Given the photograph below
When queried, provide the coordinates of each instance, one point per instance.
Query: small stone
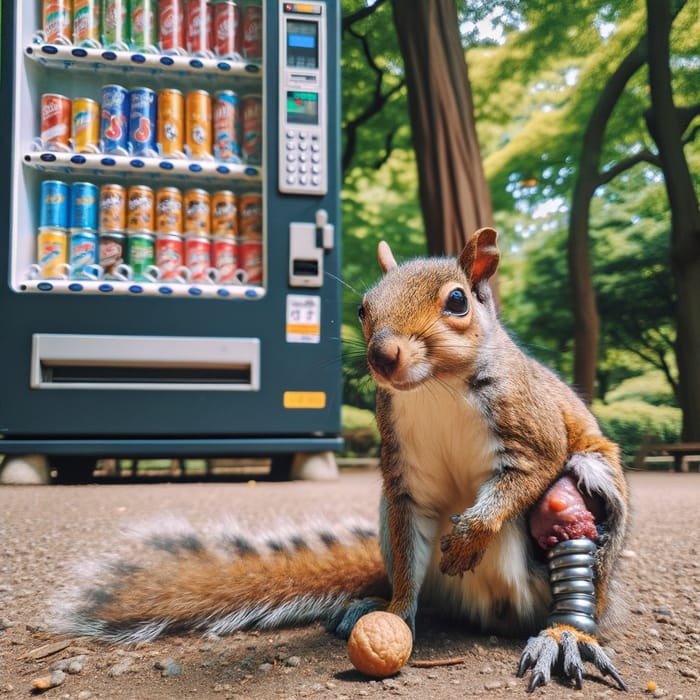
(493, 685)
(293, 661)
(168, 667)
(53, 680)
(266, 667)
(119, 669)
(689, 673)
(486, 670)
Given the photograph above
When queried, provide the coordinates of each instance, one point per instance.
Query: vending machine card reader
(303, 163)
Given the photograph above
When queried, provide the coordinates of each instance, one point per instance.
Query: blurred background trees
(581, 110)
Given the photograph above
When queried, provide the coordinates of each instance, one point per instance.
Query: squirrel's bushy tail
(173, 580)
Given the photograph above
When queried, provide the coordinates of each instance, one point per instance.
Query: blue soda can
(114, 119)
(84, 206)
(82, 252)
(142, 121)
(54, 204)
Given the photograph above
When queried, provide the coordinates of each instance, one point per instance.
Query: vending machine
(169, 228)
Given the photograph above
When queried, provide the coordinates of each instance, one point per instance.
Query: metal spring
(571, 579)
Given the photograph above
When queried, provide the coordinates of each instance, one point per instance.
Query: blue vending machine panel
(170, 235)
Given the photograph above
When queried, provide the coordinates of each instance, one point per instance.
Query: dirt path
(44, 529)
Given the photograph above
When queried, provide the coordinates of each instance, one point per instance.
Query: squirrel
(488, 459)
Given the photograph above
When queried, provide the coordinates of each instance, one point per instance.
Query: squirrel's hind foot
(343, 623)
(568, 649)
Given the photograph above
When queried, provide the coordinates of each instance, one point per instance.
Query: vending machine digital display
(169, 228)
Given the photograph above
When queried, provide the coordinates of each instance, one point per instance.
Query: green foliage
(628, 422)
(360, 432)
(651, 388)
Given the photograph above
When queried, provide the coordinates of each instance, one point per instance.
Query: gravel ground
(44, 529)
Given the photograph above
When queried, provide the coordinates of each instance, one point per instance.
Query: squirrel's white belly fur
(449, 452)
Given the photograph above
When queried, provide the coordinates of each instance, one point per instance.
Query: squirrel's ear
(479, 258)
(386, 258)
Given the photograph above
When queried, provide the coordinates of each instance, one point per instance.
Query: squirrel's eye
(361, 312)
(456, 303)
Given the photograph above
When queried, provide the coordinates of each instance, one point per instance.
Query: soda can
(55, 122)
(171, 26)
(197, 27)
(142, 121)
(251, 116)
(225, 28)
(84, 206)
(198, 118)
(140, 209)
(114, 119)
(169, 210)
(54, 204)
(86, 23)
(169, 256)
(251, 40)
(225, 259)
(251, 260)
(198, 257)
(52, 253)
(112, 251)
(197, 208)
(114, 16)
(82, 252)
(141, 254)
(85, 125)
(171, 122)
(112, 208)
(226, 119)
(224, 214)
(144, 33)
(250, 215)
(57, 21)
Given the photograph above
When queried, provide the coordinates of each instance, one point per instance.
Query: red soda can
(251, 260)
(197, 30)
(86, 23)
(56, 120)
(57, 21)
(171, 26)
(169, 256)
(198, 258)
(225, 259)
(198, 123)
(251, 41)
(226, 126)
(225, 29)
(251, 118)
(197, 218)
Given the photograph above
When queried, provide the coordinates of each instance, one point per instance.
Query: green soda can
(141, 256)
(114, 30)
(144, 24)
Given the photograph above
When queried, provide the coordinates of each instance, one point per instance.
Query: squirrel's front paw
(458, 554)
(567, 648)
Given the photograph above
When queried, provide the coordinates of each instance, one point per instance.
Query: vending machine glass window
(170, 226)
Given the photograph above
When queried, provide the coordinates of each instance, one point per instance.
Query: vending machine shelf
(93, 59)
(111, 287)
(140, 167)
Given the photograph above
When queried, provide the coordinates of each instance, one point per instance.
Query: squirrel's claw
(568, 648)
(458, 555)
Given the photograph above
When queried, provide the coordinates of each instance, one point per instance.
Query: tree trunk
(586, 320)
(685, 216)
(453, 191)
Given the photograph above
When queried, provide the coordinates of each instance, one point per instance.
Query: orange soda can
(224, 214)
(57, 21)
(86, 23)
(197, 216)
(52, 252)
(86, 125)
(171, 122)
(198, 123)
(169, 210)
(250, 216)
(140, 209)
(112, 208)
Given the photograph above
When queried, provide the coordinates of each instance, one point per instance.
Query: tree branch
(644, 156)
(366, 11)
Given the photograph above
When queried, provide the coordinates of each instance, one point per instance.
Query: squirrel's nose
(384, 354)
